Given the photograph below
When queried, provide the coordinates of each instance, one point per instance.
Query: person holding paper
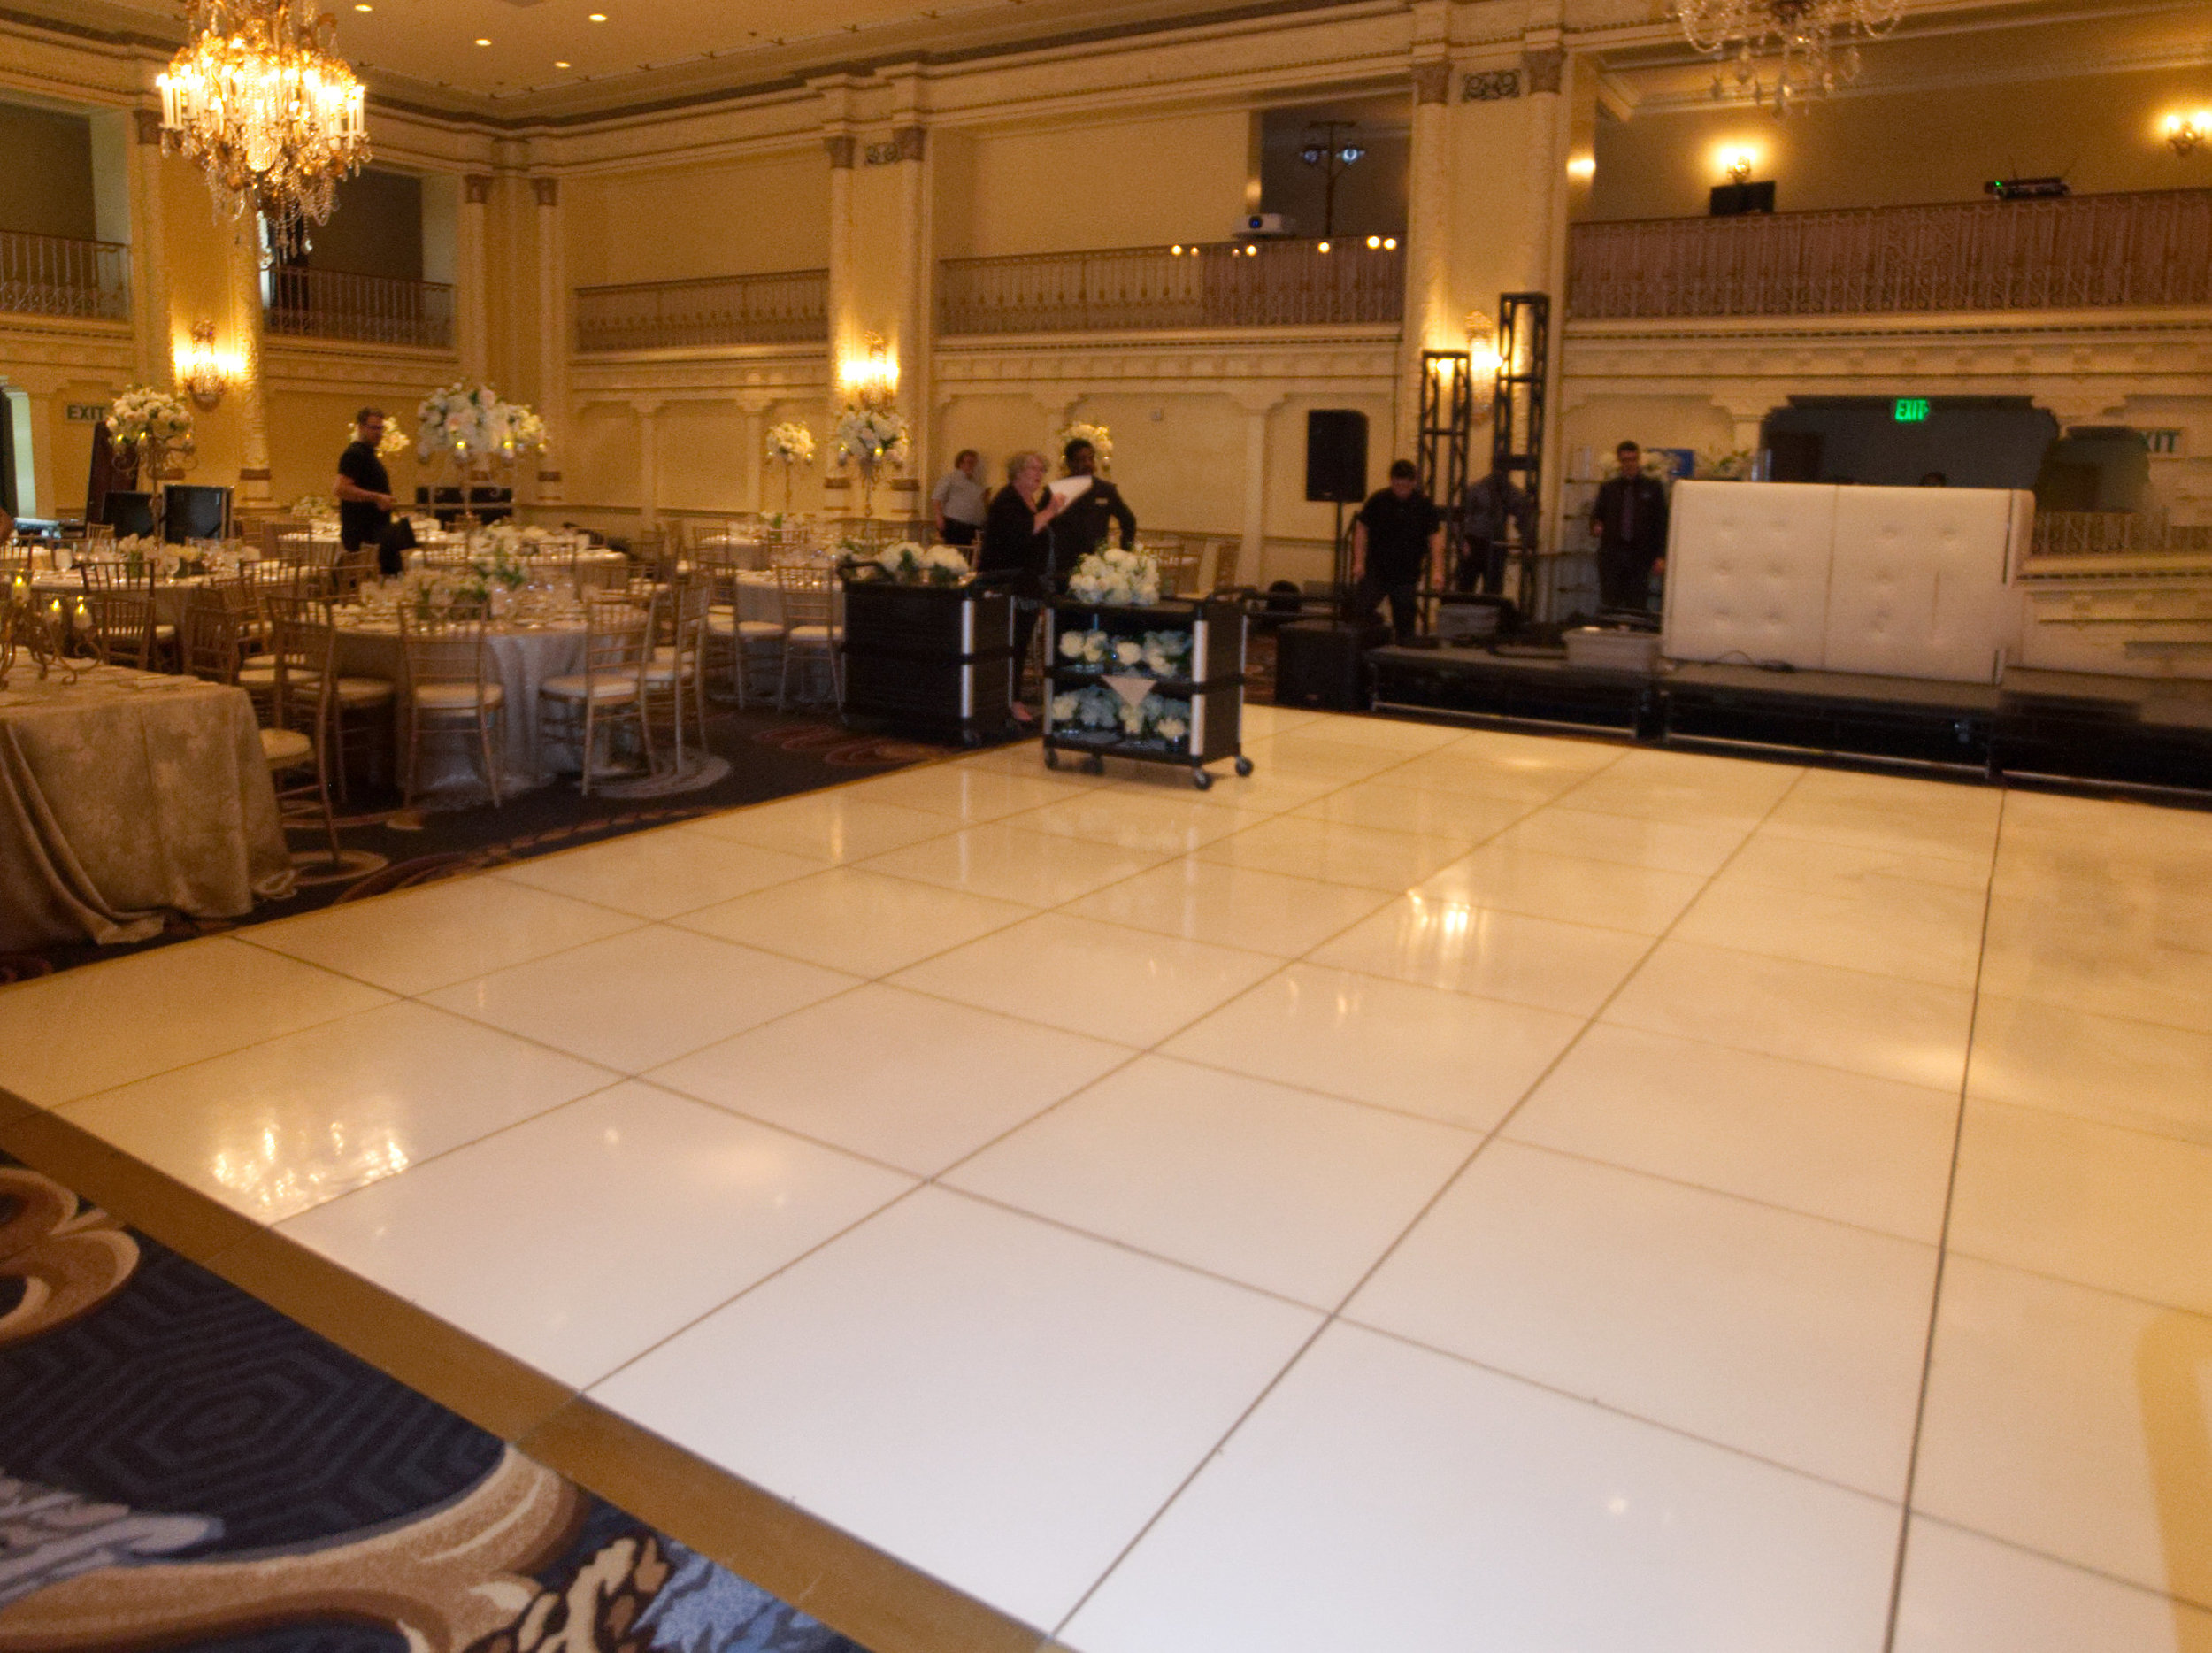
(1017, 549)
(1093, 503)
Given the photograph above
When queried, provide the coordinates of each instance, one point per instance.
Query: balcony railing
(368, 309)
(52, 275)
(790, 307)
(2118, 534)
(2079, 252)
(1252, 284)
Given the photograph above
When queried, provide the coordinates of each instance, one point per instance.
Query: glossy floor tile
(914, 1081)
(1794, 1339)
(989, 1397)
(1294, 1193)
(1386, 1497)
(2073, 1423)
(300, 1119)
(667, 1208)
(1002, 1164)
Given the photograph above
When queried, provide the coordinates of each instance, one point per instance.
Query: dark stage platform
(2067, 725)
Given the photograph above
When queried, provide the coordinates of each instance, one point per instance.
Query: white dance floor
(1451, 1190)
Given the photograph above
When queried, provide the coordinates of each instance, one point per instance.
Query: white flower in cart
(1171, 729)
(1128, 652)
(1062, 708)
(1099, 708)
(1072, 645)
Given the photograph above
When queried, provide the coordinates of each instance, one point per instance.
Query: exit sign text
(1909, 410)
(87, 412)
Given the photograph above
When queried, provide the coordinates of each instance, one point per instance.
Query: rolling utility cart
(1162, 684)
(935, 662)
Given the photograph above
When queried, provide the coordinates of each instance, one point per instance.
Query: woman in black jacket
(1017, 548)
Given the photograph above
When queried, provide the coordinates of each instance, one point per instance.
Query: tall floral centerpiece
(793, 443)
(1101, 439)
(868, 438)
(157, 425)
(471, 428)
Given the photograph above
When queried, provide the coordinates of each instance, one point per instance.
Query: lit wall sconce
(872, 380)
(1582, 168)
(1738, 164)
(203, 374)
(2185, 131)
(1481, 328)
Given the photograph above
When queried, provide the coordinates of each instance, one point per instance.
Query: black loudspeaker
(1336, 455)
(194, 512)
(129, 513)
(1324, 665)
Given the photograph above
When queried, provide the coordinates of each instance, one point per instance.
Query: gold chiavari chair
(1179, 565)
(449, 695)
(609, 693)
(297, 737)
(213, 630)
(808, 599)
(675, 676)
(734, 642)
(122, 626)
(1227, 554)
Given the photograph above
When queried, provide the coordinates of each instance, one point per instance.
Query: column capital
(476, 188)
(149, 123)
(1543, 68)
(548, 192)
(911, 141)
(840, 145)
(1432, 82)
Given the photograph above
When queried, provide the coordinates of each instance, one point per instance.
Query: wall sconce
(203, 374)
(872, 380)
(2185, 131)
(1738, 164)
(1583, 167)
(1481, 328)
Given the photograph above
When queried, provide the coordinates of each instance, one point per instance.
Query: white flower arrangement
(1114, 578)
(792, 442)
(140, 550)
(394, 442)
(143, 410)
(469, 424)
(912, 564)
(314, 508)
(869, 437)
(1101, 439)
(1098, 714)
(1154, 654)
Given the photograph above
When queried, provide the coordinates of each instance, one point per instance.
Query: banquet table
(522, 655)
(127, 794)
(171, 596)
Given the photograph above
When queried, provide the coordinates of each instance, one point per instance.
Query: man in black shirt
(1485, 508)
(1080, 528)
(1630, 520)
(1396, 534)
(365, 495)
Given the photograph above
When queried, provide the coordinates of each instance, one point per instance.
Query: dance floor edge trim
(856, 1589)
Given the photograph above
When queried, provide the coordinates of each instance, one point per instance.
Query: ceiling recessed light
(560, 63)
(599, 16)
(365, 8)
(482, 41)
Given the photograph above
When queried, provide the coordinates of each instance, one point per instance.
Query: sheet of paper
(1068, 489)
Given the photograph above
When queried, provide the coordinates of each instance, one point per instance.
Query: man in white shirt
(959, 498)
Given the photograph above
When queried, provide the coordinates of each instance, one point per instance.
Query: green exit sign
(1910, 410)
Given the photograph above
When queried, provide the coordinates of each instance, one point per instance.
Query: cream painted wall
(46, 174)
(719, 217)
(1121, 183)
(2100, 132)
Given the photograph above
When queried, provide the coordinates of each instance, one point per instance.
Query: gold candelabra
(28, 628)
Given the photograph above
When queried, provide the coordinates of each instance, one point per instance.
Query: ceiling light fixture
(1802, 33)
(259, 101)
(599, 16)
(561, 63)
(482, 41)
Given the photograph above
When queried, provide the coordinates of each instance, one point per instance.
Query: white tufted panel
(1748, 571)
(1919, 584)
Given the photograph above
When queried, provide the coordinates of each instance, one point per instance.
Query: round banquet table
(521, 657)
(170, 596)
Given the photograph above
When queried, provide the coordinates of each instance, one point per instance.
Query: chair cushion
(660, 673)
(581, 685)
(723, 622)
(364, 691)
(810, 633)
(254, 674)
(286, 748)
(456, 697)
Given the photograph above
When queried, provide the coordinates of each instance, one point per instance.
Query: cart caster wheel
(1244, 766)
(1094, 765)
(1052, 758)
(1200, 778)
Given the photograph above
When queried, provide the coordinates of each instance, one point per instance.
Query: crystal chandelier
(260, 103)
(1802, 33)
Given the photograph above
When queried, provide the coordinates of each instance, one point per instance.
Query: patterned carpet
(754, 757)
(183, 1467)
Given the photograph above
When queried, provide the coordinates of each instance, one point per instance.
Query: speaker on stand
(1336, 471)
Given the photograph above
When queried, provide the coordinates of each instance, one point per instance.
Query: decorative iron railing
(52, 275)
(2074, 252)
(368, 309)
(788, 307)
(1240, 284)
(2117, 533)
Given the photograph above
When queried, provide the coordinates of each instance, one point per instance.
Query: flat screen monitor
(194, 512)
(128, 513)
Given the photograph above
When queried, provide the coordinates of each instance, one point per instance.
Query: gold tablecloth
(119, 803)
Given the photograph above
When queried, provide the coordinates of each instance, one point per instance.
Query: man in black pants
(1485, 508)
(364, 497)
(1630, 520)
(1395, 538)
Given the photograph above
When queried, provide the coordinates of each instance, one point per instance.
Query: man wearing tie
(1630, 521)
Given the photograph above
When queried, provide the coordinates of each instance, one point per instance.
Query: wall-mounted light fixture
(1583, 167)
(203, 374)
(1738, 164)
(1481, 328)
(871, 378)
(2183, 133)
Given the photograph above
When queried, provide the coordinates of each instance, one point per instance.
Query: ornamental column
(554, 332)
(472, 260)
(917, 271)
(251, 393)
(752, 423)
(152, 358)
(649, 462)
(1428, 252)
(838, 493)
(1253, 540)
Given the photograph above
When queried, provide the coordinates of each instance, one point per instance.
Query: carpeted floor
(755, 755)
(183, 1467)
